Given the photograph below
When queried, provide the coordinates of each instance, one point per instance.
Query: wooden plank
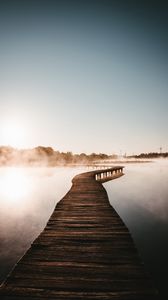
(84, 252)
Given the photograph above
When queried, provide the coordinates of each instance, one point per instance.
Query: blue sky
(84, 76)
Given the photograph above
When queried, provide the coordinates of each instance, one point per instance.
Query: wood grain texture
(84, 252)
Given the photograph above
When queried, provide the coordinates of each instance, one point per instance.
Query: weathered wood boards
(84, 252)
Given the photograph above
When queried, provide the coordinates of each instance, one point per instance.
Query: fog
(27, 199)
(144, 186)
(141, 199)
(29, 195)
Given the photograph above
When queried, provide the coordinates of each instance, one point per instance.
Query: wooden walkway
(84, 252)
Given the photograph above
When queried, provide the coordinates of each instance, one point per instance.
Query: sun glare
(15, 185)
(13, 133)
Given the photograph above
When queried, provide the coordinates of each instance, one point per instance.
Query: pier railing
(85, 252)
(108, 174)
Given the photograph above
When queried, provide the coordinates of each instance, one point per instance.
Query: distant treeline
(46, 156)
(150, 155)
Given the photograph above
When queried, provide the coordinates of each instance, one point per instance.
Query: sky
(84, 76)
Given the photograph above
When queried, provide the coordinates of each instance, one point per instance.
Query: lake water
(141, 199)
(28, 197)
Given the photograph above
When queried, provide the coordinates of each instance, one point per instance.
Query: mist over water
(27, 199)
(141, 199)
(29, 195)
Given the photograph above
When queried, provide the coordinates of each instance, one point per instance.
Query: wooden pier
(84, 252)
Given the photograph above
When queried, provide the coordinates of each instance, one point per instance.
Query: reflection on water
(15, 186)
(28, 197)
(141, 199)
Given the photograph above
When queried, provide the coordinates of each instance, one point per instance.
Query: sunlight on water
(14, 186)
(28, 197)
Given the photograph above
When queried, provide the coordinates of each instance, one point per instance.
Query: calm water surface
(28, 197)
(141, 199)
